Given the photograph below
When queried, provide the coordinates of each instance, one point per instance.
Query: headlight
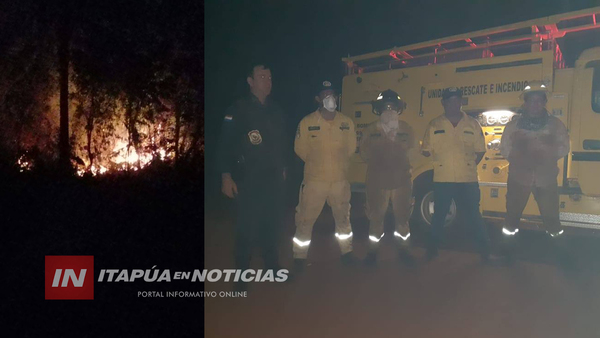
(493, 117)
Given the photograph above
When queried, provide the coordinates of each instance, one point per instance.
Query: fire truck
(492, 67)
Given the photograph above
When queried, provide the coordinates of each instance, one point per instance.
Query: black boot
(406, 258)
(299, 266)
(509, 249)
(349, 259)
(371, 258)
(484, 252)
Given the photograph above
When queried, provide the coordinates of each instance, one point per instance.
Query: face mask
(329, 103)
(389, 119)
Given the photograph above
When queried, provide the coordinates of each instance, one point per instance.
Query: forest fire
(94, 99)
(113, 152)
(111, 140)
(24, 163)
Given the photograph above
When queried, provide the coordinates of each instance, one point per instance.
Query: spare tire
(424, 207)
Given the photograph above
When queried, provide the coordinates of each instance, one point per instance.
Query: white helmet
(534, 87)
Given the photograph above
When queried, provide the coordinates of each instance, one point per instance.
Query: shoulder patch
(345, 126)
(311, 128)
(441, 131)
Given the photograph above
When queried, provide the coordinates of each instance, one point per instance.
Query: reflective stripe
(404, 238)
(375, 239)
(300, 243)
(508, 232)
(342, 237)
(556, 234)
(493, 184)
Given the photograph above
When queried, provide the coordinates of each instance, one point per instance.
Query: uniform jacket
(388, 164)
(454, 149)
(532, 148)
(325, 146)
(252, 142)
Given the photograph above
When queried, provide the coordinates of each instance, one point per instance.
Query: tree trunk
(128, 118)
(177, 133)
(89, 128)
(64, 33)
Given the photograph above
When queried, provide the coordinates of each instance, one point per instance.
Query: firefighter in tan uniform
(325, 140)
(385, 147)
(456, 143)
(533, 143)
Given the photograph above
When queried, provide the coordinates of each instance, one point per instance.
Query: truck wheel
(424, 206)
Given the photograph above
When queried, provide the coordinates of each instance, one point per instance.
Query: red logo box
(69, 277)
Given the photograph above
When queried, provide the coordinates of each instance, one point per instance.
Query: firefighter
(325, 140)
(251, 162)
(455, 142)
(385, 147)
(533, 143)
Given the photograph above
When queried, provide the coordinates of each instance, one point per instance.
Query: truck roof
(522, 37)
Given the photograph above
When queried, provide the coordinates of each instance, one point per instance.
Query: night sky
(304, 42)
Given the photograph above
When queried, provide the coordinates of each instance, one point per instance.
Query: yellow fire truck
(492, 67)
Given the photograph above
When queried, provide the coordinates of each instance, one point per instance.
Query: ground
(453, 296)
(126, 221)
(138, 221)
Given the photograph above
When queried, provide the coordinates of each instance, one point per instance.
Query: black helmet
(388, 99)
(325, 85)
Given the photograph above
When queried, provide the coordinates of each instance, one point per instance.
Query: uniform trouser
(259, 217)
(378, 201)
(467, 196)
(547, 200)
(313, 195)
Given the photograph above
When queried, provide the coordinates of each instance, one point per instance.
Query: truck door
(585, 145)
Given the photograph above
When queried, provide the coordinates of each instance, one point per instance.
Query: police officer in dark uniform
(251, 162)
